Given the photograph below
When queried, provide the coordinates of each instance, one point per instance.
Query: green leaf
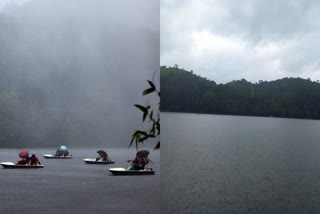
(140, 136)
(151, 115)
(135, 137)
(143, 139)
(148, 91)
(143, 133)
(157, 124)
(151, 84)
(131, 142)
(153, 130)
(157, 146)
(142, 108)
(144, 116)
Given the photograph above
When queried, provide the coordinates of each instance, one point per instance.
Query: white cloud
(208, 42)
(252, 39)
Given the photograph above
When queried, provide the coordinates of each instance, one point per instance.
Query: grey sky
(89, 60)
(4, 3)
(226, 40)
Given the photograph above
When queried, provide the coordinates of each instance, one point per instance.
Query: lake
(237, 164)
(71, 186)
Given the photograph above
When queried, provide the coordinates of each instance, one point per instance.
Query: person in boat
(139, 163)
(59, 152)
(25, 160)
(66, 153)
(34, 160)
(102, 157)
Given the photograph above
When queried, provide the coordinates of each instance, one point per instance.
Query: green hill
(183, 91)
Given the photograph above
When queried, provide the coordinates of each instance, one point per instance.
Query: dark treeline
(70, 73)
(183, 91)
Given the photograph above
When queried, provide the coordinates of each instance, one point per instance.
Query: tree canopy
(184, 91)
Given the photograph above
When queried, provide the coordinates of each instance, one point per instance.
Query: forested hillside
(183, 91)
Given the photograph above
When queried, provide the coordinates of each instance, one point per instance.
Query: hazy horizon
(76, 69)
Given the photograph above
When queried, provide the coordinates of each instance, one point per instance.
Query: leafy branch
(140, 136)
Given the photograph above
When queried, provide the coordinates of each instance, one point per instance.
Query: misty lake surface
(237, 164)
(71, 186)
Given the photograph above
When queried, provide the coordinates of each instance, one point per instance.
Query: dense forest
(184, 91)
(67, 73)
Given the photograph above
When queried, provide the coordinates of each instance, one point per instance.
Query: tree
(183, 91)
(140, 136)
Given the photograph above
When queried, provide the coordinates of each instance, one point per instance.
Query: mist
(71, 71)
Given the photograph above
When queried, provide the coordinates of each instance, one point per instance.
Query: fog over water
(71, 71)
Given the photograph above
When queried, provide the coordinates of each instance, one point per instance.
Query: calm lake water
(235, 164)
(71, 186)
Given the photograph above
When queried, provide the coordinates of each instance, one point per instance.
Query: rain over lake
(71, 72)
(71, 185)
(239, 164)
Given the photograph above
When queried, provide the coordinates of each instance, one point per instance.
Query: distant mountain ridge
(183, 91)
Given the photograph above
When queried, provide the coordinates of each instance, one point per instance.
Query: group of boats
(98, 161)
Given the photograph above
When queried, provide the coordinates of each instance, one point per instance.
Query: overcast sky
(226, 40)
(81, 65)
(4, 3)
